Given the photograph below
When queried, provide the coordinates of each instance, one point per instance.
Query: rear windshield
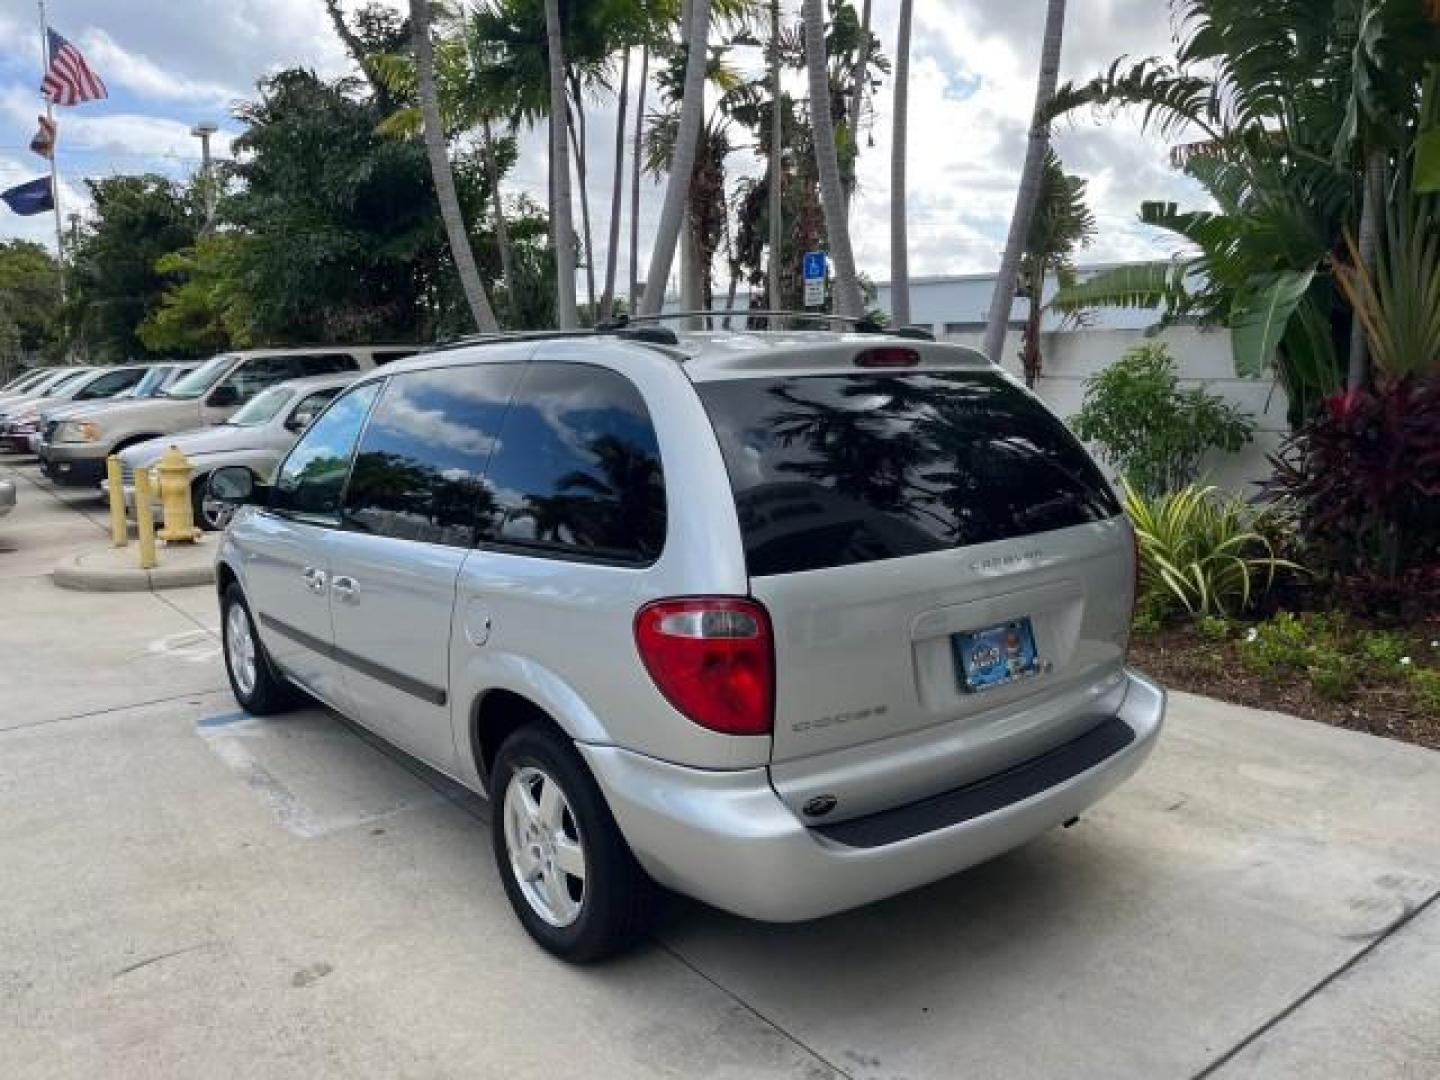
(832, 470)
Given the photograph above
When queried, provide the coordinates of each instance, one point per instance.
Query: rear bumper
(727, 839)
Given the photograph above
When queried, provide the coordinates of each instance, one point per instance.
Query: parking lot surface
(187, 891)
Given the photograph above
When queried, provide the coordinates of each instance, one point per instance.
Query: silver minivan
(787, 622)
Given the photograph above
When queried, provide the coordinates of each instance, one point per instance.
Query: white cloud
(972, 88)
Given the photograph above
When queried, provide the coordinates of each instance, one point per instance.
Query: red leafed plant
(1363, 478)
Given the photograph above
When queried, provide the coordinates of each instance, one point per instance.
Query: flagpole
(54, 172)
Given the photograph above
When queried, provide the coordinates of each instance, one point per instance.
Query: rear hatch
(948, 575)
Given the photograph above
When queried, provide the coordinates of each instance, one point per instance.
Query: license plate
(996, 655)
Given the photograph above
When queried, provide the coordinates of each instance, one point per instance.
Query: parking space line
(773, 1025)
(1401, 921)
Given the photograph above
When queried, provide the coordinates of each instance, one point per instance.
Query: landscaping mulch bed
(1182, 658)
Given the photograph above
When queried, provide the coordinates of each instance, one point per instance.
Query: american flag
(69, 80)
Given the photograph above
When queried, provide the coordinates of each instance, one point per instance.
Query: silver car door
(287, 548)
(407, 525)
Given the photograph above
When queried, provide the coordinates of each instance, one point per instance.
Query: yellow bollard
(119, 527)
(174, 470)
(145, 519)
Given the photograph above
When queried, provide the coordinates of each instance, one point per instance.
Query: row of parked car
(242, 408)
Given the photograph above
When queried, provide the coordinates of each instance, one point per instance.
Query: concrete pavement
(190, 892)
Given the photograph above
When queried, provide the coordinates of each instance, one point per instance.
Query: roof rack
(862, 324)
(650, 335)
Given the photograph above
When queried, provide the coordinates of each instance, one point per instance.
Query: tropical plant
(1060, 224)
(1396, 297)
(1031, 176)
(1153, 433)
(900, 129)
(443, 176)
(848, 298)
(1291, 114)
(1200, 550)
(1363, 478)
(775, 166)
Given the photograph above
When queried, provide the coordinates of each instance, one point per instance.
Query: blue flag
(34, 197)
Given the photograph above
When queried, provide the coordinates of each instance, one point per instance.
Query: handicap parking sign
(814, 266)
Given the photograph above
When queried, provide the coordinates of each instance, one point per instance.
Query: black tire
(270, 693)
(618, 900)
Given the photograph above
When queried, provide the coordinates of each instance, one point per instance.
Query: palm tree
(612, 252)
(777, 153)
(857, 103)
(1030, 177)
(562, 221)
(635, 166)
(682, 164)
(899, 243)
(1061, 223)
(848, 300)
(440, 169)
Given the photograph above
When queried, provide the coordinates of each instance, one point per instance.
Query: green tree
(337, 235)
(115, 283)
(203, 311)
(29, 302)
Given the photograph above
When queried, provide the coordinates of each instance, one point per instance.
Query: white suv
(788, 622)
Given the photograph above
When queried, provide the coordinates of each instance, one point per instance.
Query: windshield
(201, 379)
(261, 409)
(148, 385)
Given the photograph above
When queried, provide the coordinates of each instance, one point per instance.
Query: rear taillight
(887, 356)
(713, 658)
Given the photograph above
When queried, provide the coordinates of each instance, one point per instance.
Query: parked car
(7, 496)
(53, 381)
(21, 423)
(256, 437)
(26, 379)
(76, 454)
(157, 377)
(788, 623)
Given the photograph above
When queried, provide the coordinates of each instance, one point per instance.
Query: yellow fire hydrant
(174, 470)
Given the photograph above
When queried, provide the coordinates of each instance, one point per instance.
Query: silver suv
(788, 622)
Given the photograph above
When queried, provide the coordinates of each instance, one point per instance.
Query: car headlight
(77, 431)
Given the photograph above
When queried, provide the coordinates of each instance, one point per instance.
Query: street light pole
(203, 132)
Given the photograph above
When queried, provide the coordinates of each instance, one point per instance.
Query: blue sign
(814, 266)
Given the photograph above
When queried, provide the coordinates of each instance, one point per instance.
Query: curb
(73, 574)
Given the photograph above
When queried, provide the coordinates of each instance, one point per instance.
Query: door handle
(314, 579)
(346, 588)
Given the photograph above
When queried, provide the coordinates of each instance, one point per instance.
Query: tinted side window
(311, 479)
(837, 469)
(419, 473)
(258, 372)
(309, 407)
(110, 384)
(577, 472)
(326, 363)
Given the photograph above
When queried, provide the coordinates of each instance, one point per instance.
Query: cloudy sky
(169, 65)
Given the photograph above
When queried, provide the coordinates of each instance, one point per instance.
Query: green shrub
(1332, 676)
(1281, 642)
(1148, 429)
(1384, 648)
(1199, 550)
(1213, 627)
(1427, 685)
